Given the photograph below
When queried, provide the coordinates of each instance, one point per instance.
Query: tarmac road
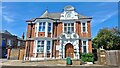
(60, 67)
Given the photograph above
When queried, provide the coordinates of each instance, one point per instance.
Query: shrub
(87, 57)
(90, 59)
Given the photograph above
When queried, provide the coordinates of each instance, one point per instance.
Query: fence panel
(113, 57)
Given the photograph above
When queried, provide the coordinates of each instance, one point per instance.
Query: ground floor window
(40, 46)
(84, 47)
(48, 46)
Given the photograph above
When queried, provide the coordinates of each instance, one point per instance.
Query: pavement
(3, 60)
(40, 64)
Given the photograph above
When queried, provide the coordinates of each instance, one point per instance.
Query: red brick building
(58, 35)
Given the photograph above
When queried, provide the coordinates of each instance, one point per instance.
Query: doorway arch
(69, 50)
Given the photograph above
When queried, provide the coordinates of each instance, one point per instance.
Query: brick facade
(59, 37)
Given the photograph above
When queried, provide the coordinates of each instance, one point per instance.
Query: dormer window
(68, 27)
(42, 26)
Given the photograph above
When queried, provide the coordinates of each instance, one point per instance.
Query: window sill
(84, 32)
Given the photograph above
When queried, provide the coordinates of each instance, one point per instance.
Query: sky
(15, 14)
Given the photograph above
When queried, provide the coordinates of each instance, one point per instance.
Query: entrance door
(69, 50)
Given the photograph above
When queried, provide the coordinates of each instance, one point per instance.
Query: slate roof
(55, 16)
(51, 15)
(5, 32)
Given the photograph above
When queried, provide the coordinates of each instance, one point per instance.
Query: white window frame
(42, 26)
(50, 27)
(48, 51)
(40, 45)
(85, 27)
(18, 43)
(69, 26)
(85, 45)
(9, 42)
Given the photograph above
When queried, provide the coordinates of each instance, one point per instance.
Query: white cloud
(101, 17)
(108, 16)
(7, 15)
(8, 18)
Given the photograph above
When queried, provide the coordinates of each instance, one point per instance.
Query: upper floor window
(49, 27)
(48, 46)
(40, 46)
(18, 43)
(42, 26)
(83, 27)
(69, 27)
(9, 42)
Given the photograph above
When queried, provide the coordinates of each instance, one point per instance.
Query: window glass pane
(72, 24)
(42, 42)
(65, 29)
(68, 24)
(9, 42)
(40, 28)
(83, 29)
(49, 24)
(38, 45)
(84, 42)
(43, 29)
(84, 49)
(38, 42)
(48, 43)
(72, 29)
(44, 23)
(42, 45)
(37, 50)
(65, 24)
(48, 47)
(69, 29)
(49, 29)
(83, 24)
(40, 23)
(41, 49)
(18, 43)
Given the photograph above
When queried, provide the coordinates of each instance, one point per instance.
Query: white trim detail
(46, 29)
(51, 30)
(69, 14)
(72, 41)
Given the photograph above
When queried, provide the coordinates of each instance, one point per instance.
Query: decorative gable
(69, 13)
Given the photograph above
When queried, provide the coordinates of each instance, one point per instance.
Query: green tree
(108, 38)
